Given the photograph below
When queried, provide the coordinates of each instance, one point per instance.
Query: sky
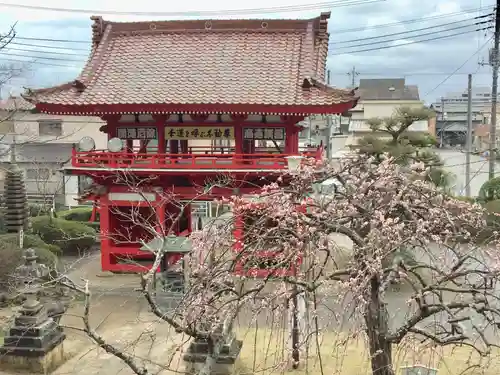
(384, 27)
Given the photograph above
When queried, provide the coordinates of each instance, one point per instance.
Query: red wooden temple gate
(185, 101)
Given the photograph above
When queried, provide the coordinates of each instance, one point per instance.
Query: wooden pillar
(294, 143)
(174, 146)
(160, 129)
(188, 214)
(238, 133)
(288, 140)
(130, 145)
(184, 146)
(105, 224)
(160, 216)
(238, 234)
(111, 124)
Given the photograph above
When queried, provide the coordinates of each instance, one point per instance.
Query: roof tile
(181, 62)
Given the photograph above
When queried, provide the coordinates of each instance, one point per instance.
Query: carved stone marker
(199, 350)
(35, 342)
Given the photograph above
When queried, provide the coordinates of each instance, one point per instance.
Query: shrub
(464, 198)
(82, 214)
(38, 210)
(30, 240)
(493, 217)
(70, 236)
(490, 190)
(3, 228)
(11, 256)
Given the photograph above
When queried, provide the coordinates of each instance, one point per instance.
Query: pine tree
(391, 136)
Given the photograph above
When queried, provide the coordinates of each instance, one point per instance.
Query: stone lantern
(35, 342)
(170, 286)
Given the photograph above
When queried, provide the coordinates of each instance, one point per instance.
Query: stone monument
(16, 203)
(199, 349)
(35, 342)
(170, 282)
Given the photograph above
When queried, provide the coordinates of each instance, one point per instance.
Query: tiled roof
(387, 89)
(16, 104)
(264, 62)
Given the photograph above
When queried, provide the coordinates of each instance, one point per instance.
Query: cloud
(424, 64)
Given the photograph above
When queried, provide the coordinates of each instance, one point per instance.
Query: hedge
(11, 256)
(70, 236)
(76, 214)
(82, 215)
(33, 241)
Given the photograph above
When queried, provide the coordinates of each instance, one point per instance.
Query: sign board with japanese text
(264, 134)
(202, 132)
(139, 132)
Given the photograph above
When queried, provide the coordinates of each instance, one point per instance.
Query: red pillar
(105, 224)
(238, 234)
(160, 215)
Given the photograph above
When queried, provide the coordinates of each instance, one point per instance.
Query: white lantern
(294, 162)
(115, 145)
(86, 144)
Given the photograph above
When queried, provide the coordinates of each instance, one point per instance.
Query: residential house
(380, 98)
(41, 144)
(451, 114)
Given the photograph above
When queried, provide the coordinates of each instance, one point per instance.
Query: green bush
(493, 217)
(82, 214)
(47, 254)
(3, 228)
(38, 209)
(490, 190)
(11, 256)
(464, 198)
(70, 236)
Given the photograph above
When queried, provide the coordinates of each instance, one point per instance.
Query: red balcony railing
(198, 160)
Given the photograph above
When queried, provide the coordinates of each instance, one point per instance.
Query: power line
(408, 43)
(41, 51)
(422, 19)
(192, 13)
(415, 30)
(38, 63)
(436, 33)
(50, 47)
(460, 67)
(412, 36)
(413, 74)
(413, 20)
(41, 57)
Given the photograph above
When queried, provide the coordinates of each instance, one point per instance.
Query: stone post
(35, 342)
(199, 350)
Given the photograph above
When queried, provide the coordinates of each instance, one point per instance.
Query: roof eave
(167, 108)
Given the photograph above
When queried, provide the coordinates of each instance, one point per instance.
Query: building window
(38, 174)
(50, 128)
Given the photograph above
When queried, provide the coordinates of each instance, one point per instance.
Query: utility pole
(328, 124)
(353, 74)
(469, 136)
(494, 94)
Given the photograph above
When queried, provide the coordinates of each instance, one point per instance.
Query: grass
(264, 352)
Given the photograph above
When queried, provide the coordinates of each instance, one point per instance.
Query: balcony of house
(191, 157)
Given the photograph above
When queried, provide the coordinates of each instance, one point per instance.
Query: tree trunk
(376, 319)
